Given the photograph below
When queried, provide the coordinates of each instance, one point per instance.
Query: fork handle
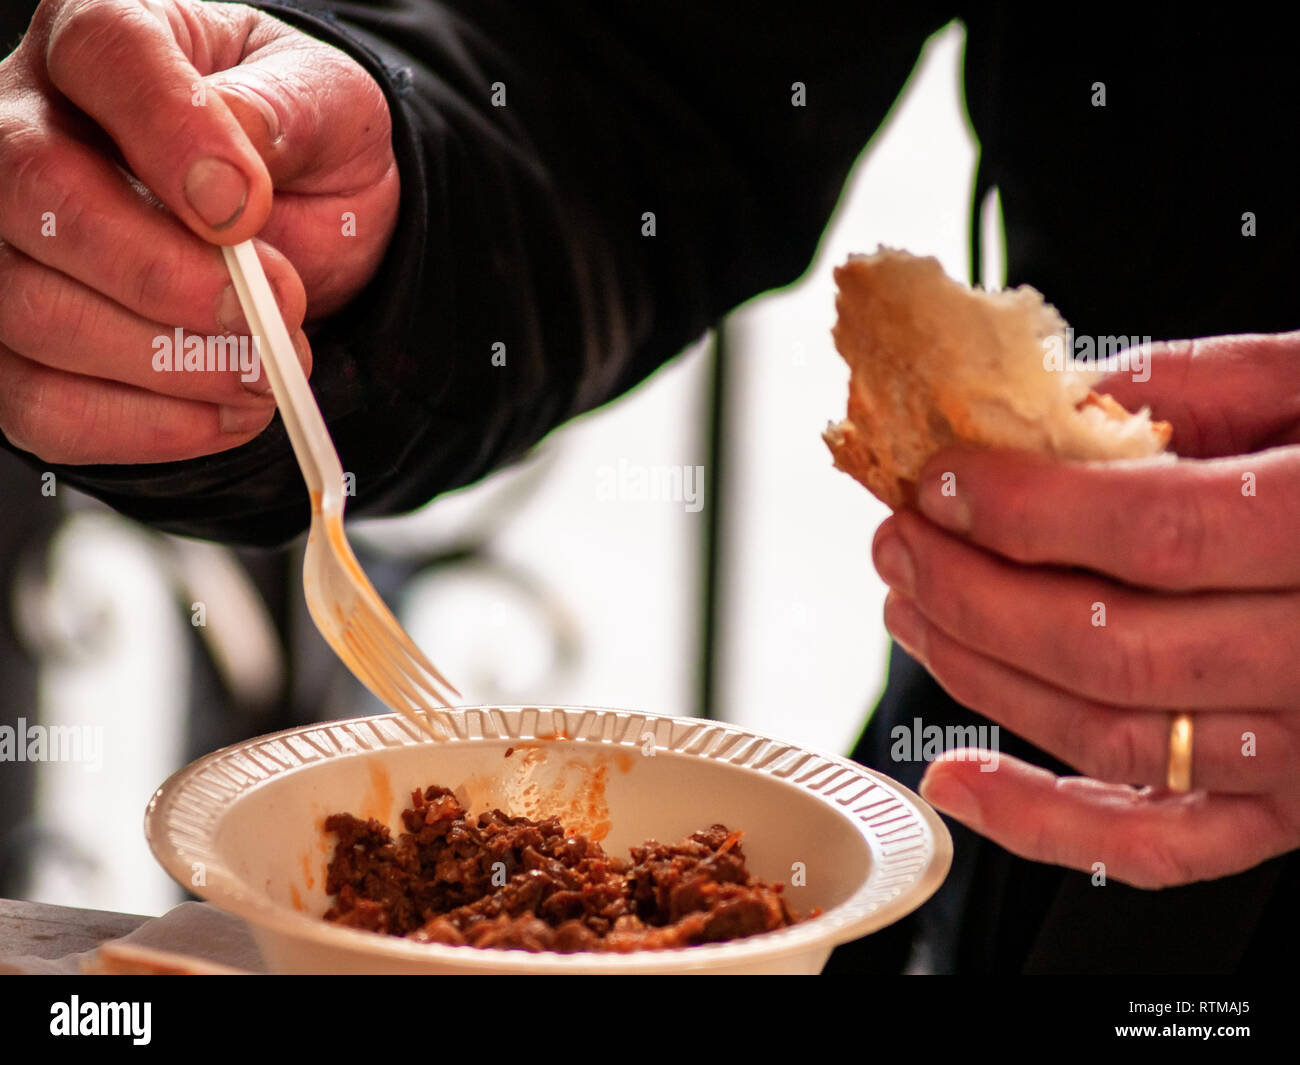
(320, 464)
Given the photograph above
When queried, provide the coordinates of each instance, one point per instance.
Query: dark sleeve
(523, 225)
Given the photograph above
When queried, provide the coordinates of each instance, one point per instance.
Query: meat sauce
(517, 884)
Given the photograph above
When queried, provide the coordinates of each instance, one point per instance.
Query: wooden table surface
(54, 931)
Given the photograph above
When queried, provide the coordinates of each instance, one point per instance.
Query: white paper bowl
(242, 828)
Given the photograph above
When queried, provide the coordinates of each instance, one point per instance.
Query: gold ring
(1179, 775)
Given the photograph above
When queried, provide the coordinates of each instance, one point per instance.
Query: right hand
(110, 111)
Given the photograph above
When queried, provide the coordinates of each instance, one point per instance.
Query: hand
(110, 111)
(1197, 569)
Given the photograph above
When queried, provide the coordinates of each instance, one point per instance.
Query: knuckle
(164, 437)
(950, 602)
(24, 413)
(20, 146)
(75, 435)
(229, 18)
(34, 305)
(169, 283)
(19, 312)
(191, 126)
(45, 417)
(39, 178)
(15, 419)
(1122, 750)
(25, 157)
(1105, 744)
(1017, 518)
(1169, 539)
(1078, 743)
(154, 283)
(76, 35)
(1131, 674)
(15, 307)
(84, 35)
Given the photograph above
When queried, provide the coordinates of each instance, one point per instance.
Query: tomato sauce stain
(378, 799)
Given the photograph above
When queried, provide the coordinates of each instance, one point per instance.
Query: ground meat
(516, 884)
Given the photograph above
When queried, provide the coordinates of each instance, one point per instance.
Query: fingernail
(243, 420)
(944, 792)
(894, 563)
(217, 191)
(906, 625)
(942, 500)
(230, 315)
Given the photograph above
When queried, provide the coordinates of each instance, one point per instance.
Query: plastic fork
(343, 603)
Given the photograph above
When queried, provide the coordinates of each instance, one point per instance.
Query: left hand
(1197, 568)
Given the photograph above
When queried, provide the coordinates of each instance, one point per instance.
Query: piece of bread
(935, 363)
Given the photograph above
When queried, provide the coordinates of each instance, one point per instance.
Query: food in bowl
(849, 842)
(514, 883)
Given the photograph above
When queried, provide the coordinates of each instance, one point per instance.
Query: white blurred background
(583, 599)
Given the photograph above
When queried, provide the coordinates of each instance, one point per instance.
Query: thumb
(318, 121)
(121, 64)
(1226, 395)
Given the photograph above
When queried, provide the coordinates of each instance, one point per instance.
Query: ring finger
(1249, 752)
